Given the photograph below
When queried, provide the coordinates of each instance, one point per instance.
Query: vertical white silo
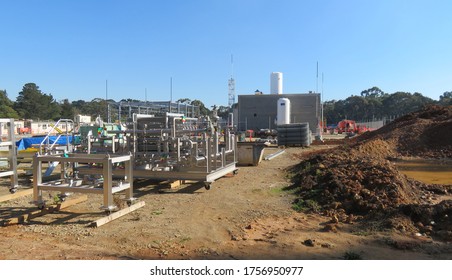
(276, 83)
(283, 111)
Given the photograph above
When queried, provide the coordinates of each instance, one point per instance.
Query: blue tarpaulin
(25, 143)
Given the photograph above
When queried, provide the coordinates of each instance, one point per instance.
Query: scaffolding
(125, 109)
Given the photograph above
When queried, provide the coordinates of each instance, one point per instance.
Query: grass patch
(306, 205)
(157, 212)
(184, 239)
(277, 190)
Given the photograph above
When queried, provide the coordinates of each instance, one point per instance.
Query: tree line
(372, 103)
(32, 103)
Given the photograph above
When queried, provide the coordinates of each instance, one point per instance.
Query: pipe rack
(173, 147)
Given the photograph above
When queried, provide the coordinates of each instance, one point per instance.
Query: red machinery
(350, 127)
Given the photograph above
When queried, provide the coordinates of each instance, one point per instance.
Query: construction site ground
(246, 216)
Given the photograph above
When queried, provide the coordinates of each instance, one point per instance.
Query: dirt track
(247, 216)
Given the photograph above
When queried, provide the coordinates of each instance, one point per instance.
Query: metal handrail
(55, 128)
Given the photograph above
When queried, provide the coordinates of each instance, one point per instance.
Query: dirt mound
(348, 182)
(425, 133)
(432, 218)
(356, 181)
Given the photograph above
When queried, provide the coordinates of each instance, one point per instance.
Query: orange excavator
(350, 127)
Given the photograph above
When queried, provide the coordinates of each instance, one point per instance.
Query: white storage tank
(276, 81)
(283, 111)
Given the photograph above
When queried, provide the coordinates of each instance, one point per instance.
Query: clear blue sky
(70, 48)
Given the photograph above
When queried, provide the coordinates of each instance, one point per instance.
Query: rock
(248, 227)
(330, 228)
(326, 245)
(309, 242)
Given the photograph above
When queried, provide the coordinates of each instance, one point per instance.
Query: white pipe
(174, 115)
(141, 116)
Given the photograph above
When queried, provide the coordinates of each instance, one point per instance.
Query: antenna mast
(106, 101)
(231, 85)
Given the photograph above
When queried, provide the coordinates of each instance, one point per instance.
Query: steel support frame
(12, 155)
(75, 185)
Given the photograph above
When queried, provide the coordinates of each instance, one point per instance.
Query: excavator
(350, 127)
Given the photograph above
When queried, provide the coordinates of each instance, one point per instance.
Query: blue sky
(70, 48)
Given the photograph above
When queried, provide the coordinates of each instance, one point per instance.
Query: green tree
(31, 103)
(372, 92)
(92, 108)
(97, 107)
(79, 107)
(223, 111)
(373, 103)
(184, 100)
(329, 113)
(355, 107)
(203, 110)
(446, 98)
(6, 106)
(401, 103)
(67, 111)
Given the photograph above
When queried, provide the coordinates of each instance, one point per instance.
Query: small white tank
(276, 80)
(283, 111)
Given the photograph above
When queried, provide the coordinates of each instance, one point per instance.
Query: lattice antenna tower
(231, 85)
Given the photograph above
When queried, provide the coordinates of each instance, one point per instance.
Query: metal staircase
(46, 147)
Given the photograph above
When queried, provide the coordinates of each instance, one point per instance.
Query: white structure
(276, 83)
(283, 111)
(82, 119)
(44, 127)
(18, 128)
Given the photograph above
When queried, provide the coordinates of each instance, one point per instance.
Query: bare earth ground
(246, 216)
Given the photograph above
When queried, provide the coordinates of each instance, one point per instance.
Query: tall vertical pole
(171, 93)
(231, 86)
(232, 65)
(119, 111)
(146, 99)
(106, 100)
(317, 79)
(323, 122)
